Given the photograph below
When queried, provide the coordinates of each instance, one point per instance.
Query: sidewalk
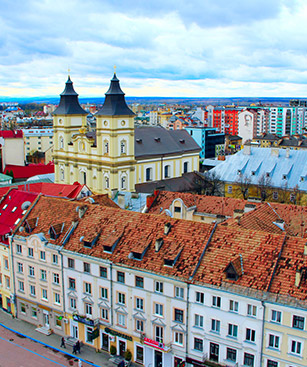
(88, 354)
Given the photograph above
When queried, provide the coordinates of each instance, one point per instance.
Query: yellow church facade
(116, 155)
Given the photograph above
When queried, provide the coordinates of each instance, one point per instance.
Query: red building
(226, 120)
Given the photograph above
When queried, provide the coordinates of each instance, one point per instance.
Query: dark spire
(69, 102)
(115, 103)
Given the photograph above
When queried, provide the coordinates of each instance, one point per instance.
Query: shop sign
(116, 333)
(155, 344)
(83, 320)
(94, 335)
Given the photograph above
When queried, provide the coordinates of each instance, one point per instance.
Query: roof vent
(158, 244)
(167, 228)
(280, 224)
(182, 141)
(139, 141)
(157, 140)
(25, 205)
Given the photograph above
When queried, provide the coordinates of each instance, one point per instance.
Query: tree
(209, 184)
(265, 187)
(243, 184)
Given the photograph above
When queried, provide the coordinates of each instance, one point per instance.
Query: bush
(112, 350)
(128, 355)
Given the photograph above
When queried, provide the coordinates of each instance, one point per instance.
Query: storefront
(156, 353)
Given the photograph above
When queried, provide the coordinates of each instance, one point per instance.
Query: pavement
(88, 354)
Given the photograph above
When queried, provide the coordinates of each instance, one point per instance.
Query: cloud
(171, 42)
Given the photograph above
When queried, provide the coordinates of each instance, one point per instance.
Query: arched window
(123, 147)
(148, 174)
(61, 142)
(167, 171)
(185, 167)
(62, 176)
(106, 182)
(123, 183)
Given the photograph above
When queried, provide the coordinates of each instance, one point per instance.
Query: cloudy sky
(183, 48)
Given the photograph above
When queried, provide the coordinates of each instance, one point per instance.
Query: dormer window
(302, 178)
(239, 172)
(14, 209)
(267, 174)
(284, 177)
(253, 173)
(234, 269)
(4, 207)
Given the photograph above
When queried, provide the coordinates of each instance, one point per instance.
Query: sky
(167, 48)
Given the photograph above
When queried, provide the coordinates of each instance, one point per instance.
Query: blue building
(212, 143)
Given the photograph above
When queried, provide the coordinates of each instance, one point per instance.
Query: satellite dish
(25, 205)
(21, 229)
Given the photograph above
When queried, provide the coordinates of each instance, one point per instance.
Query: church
(117, 155)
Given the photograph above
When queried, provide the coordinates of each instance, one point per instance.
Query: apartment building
(166, 289)
(37, 140)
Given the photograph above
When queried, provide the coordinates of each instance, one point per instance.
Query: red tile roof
(10, 134)
(53, 189)
(22, 172)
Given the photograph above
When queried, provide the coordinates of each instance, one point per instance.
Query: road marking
(29, 350)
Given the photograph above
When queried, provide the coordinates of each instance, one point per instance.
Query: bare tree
(243, 183)
(265, 188)
(210, 185)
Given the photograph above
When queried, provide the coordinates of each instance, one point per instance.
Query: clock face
(60, 121)
(105, 123)
(123, 123)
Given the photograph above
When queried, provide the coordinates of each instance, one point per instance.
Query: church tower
(69, 118)
(115, 140)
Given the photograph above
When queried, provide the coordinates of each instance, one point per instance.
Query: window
(121, 319)
(216, 301)
(229, 189)
(87, 268)
(139, 325)
(88, 309)
(139, 282)
(215, 325)
(123, 183)
(71, 263)
(87, 288)
(199, 320)
(34, 312)
(103, 272)
(272, 363)
(198, 344)
(233, 306)
(104, 314)
(6, 264)
(185, 167)
(178, 338)
(231, 354)
(121, 298)
(104, 293)
(251, 310)
(250, 335)
(106, 182)
(273, 341)
(19, 249)
(275, 195)
(139, 304)
(20, 267)
(249, 359)
(31, 271)
(177, 209)
(296, 347)
(159, 334)
(30, 252)
(123, 147)
(32, 290)
(44, 294)
(120, 277)
(7, 282)
(167, 171)
(298, 322)
(179, 292)
(159, 287)
(57, 298)
(148, 174)
(22, 308)
(43, 255)
(200, 297)
(58, 321)
(178, 315)
(73, 303)
(106, 147)
(139, 354)
(276, 316)
(43, 274)
(71, 283)
(56, 278)
(158, 309)
(232, 330)
(55, 259)
(21, 286)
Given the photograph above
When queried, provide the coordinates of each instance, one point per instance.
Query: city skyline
(161, 48)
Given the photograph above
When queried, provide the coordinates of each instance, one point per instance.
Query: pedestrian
(63, 342)
(78, 347)
(74, 349)
(79, 363)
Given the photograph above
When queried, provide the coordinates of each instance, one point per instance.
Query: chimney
(114, 193)
(158, 244)
(298, 276)
(237, 213)
(287, 153)
(247, 150)
(249, 207)
(275, 152)
(167, 228)
(121, 201)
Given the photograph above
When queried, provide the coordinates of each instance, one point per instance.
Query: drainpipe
(111, 293)
(187, 330)
(63, 290)
(13, 274)
(262, 337)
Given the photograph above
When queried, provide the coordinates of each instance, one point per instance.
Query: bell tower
(115, 140)
(68, 118)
